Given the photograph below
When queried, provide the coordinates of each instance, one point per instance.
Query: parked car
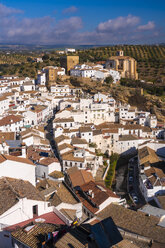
(133, 193)
(135, 199)
(131, 179)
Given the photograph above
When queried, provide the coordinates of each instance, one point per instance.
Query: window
(44, 175)
(70, 164)
(35, 210)
(80, 165)
(66, 163)
(6, 236)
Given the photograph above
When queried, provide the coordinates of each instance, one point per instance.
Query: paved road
(121, 176)
(50, 135)
(133, 185)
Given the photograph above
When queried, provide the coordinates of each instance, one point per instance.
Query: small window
(35, 210)
(80, 165)
(6, 236)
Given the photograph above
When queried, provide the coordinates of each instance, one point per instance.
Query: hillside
(151, 67)
(147, 102)
(151, 59)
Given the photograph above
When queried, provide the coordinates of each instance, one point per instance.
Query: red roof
(49, 218)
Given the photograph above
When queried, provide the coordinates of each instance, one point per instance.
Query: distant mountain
(42, 47)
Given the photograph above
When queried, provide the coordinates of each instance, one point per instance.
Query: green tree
(111, 172)
(45, 57)
(109, 80)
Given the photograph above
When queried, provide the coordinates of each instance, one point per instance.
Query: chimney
(90, 192)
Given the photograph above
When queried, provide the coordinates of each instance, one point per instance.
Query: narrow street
(133, 183)
(50, 134)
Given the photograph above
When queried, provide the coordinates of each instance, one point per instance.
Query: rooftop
(10, 119)
(61, 194)
(35, 236)
(135, 222)
(3, 158)
(146, 154)
(95, 195)
(85, 129)
(80, 141)
(127, 137)
(80, 177)
(11, 190)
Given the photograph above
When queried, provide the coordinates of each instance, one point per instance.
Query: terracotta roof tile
(36, 236)
(135, 222)
(85, 129)
(16, 159)
(11, 190)
(79, 177)
(47, 161)
(146, 154)
(9, 120)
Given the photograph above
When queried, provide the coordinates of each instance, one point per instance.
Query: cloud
(149, 26)
(46, 30)
(70, 10)
(5, 11)
(118, 23)
(70, 24)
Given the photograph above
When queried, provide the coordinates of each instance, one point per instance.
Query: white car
(135, 199)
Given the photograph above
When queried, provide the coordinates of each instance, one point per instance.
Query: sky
(82, 22)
